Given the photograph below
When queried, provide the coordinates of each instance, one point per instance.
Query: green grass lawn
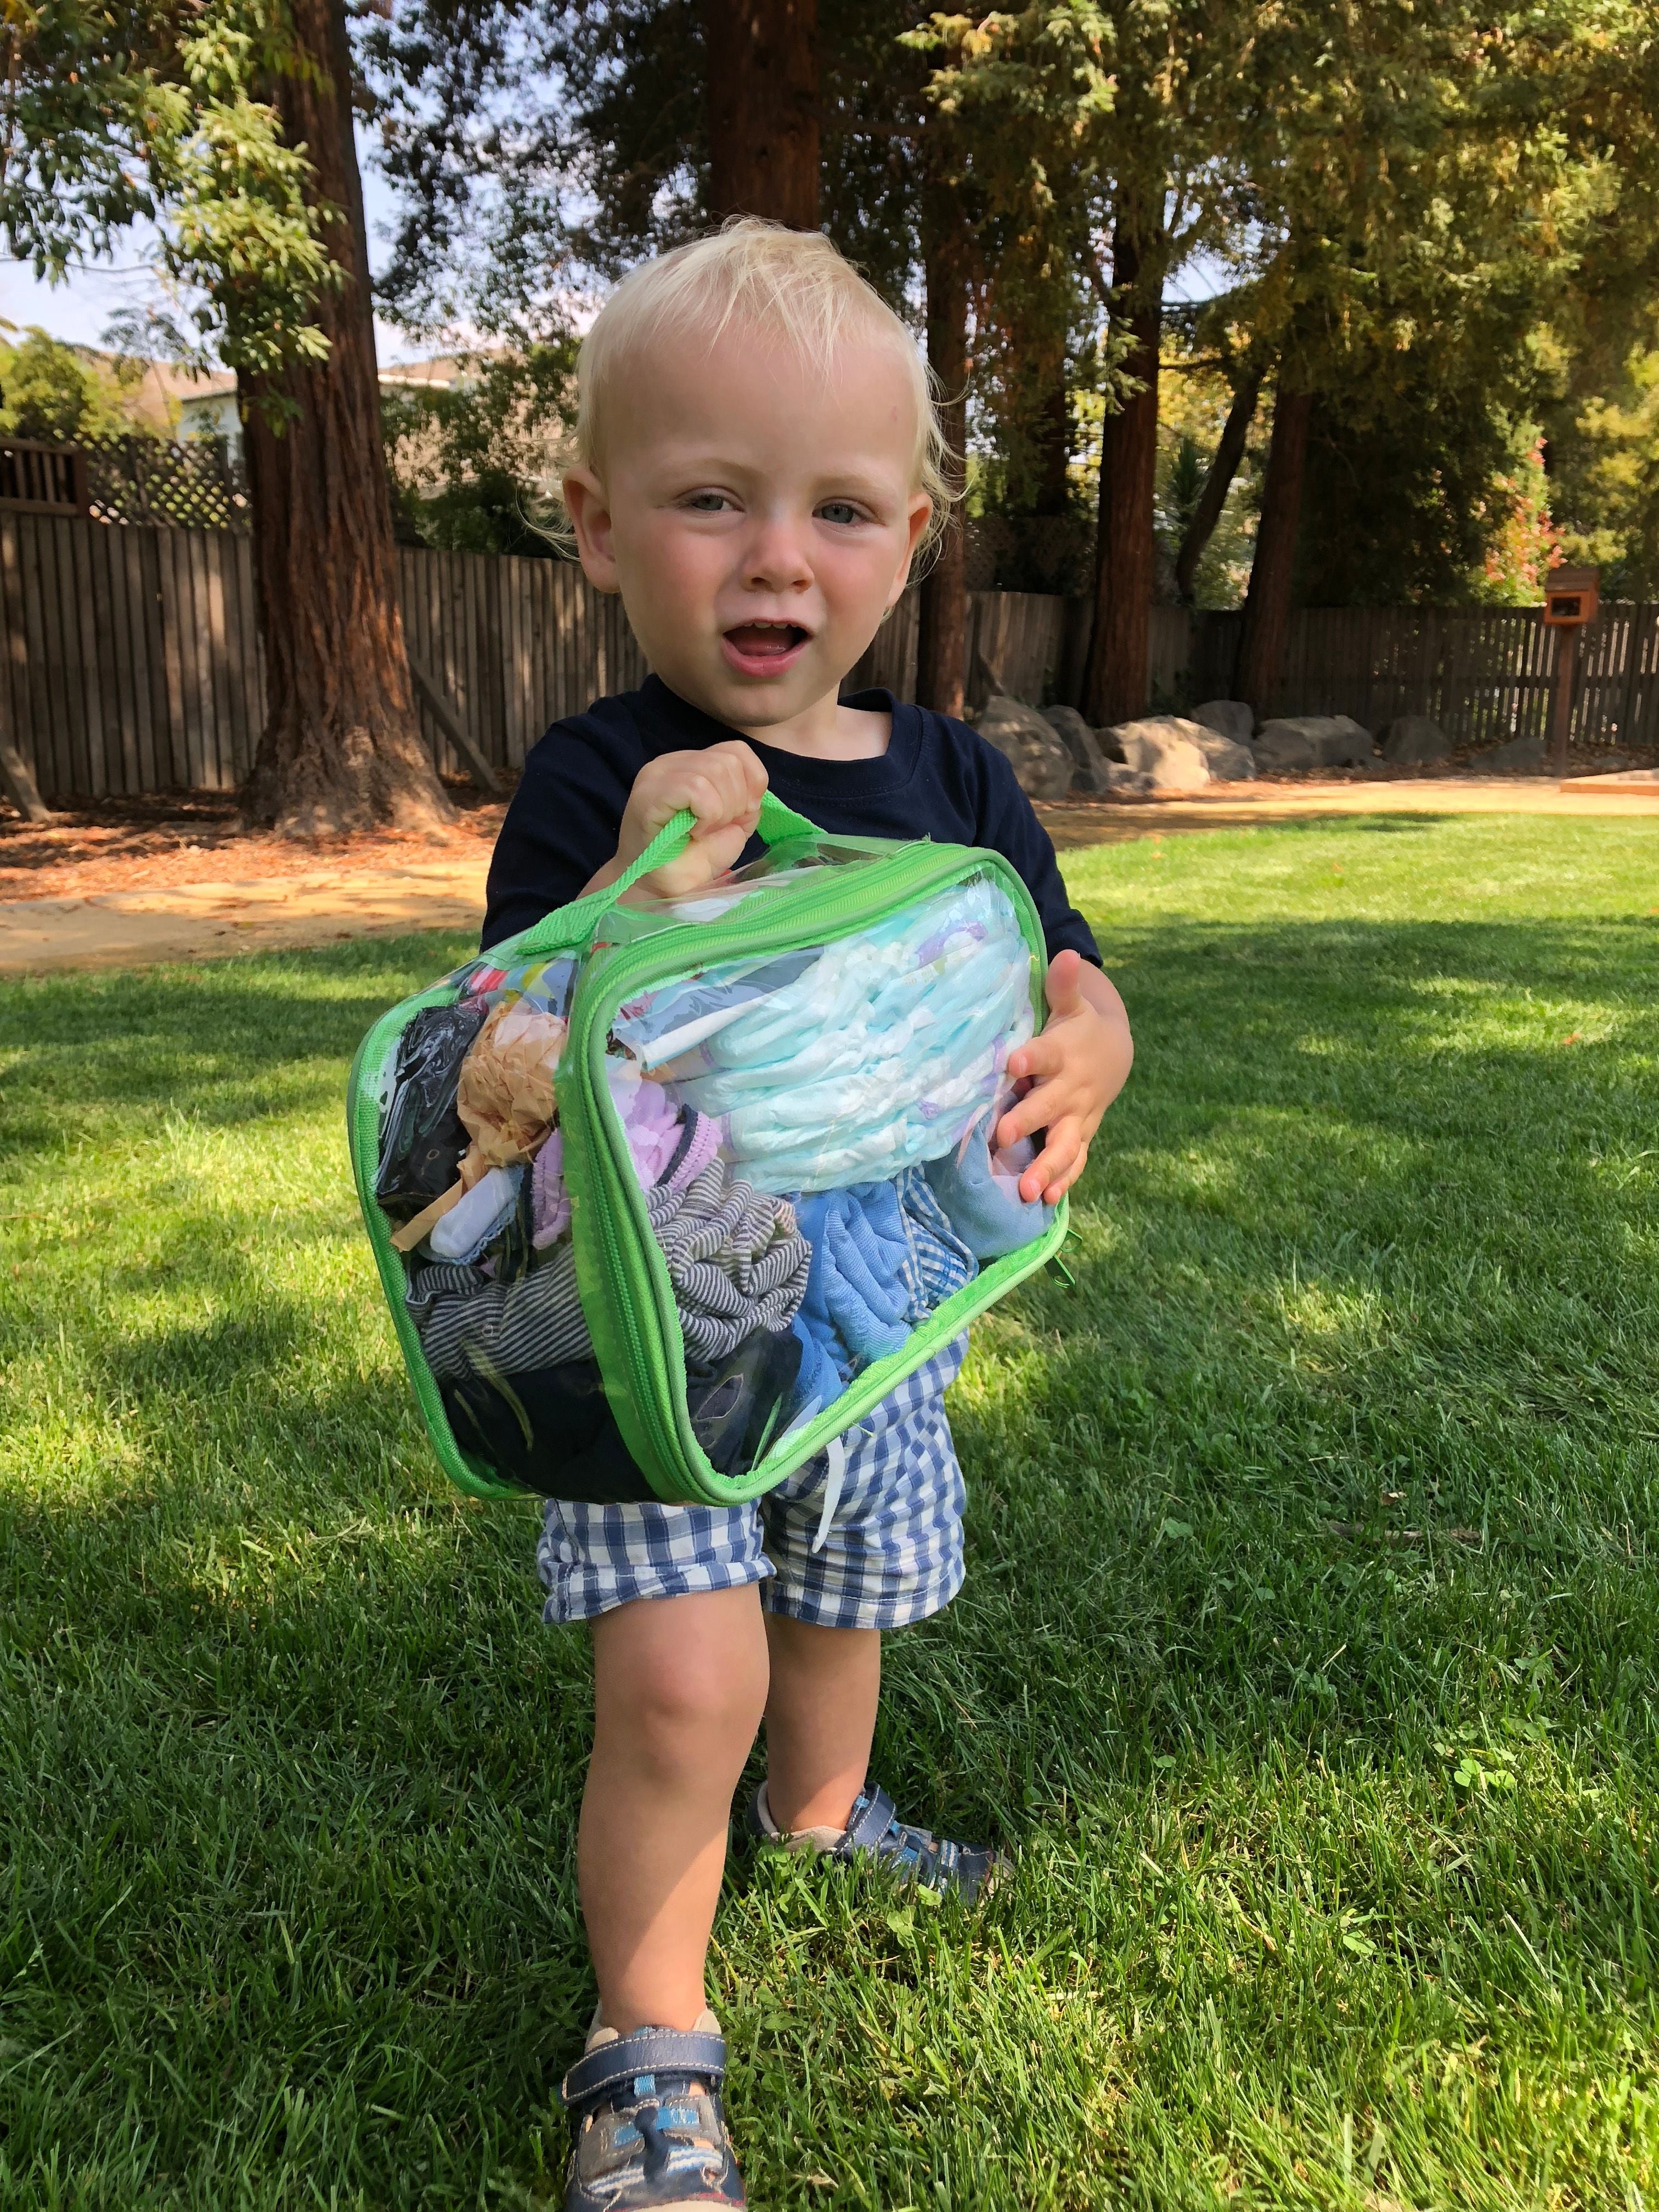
(1307, 1652)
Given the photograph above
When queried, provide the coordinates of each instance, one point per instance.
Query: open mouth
(763, 648)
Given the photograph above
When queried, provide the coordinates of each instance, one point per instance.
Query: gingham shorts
(892, 1553)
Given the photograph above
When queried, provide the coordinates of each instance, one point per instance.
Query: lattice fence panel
(194, 485)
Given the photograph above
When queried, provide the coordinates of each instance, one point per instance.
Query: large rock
(1333, 740)
(1519, 758)
(1228, 717)
(1415, 741)
(1042, 764)
(1282, 746)
(1229, 763)
(1171, 750)
(1090, 763)
(1127, 782)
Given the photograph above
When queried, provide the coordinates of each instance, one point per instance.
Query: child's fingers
(1058, 1165)
(1063, 985)
(735, 772)
(1044, 1055)
(1039, 1109)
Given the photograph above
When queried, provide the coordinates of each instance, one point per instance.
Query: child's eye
(840, 510)
(707, 502)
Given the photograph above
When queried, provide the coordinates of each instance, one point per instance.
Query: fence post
(1566, 663)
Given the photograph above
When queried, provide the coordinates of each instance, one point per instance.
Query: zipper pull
(1065, 1275)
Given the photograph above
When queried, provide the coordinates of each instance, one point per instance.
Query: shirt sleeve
(1008, 825)
(561, 828)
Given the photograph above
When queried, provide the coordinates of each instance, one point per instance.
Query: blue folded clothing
(819, 1379)
(983, 1202)
(883, 1256)
(857, 1298)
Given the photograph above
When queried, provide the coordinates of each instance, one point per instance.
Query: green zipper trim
(363, 1093)
(621, 1277)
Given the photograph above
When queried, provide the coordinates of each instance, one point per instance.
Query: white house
(207, 409)
(207, 404)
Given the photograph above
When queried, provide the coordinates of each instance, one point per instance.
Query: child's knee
(689, 1691)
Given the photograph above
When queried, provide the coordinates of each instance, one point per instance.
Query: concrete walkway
(196, 922)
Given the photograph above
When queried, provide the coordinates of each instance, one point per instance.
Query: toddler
(758, 467)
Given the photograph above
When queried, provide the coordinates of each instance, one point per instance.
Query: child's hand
(723, 786)
(1078, 1066)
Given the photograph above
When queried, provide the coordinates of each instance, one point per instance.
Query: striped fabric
(499, 1329)
(735, 1257)
(940, 1263)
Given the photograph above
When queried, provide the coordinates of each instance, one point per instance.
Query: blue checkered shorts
(891, 1554)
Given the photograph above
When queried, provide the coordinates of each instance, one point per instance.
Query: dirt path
(1229, 806)
(127, 893)
(196, 922)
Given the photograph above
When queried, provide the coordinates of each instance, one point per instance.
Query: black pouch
(552, 1431)
(424, 1139)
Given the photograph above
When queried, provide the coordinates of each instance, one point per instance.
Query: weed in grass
(1307, 1653)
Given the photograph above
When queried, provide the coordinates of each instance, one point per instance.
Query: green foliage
(474, 466)
(1324, 1500)
(73, 99)
(157, 112)
(58, 394)
(1437, 499)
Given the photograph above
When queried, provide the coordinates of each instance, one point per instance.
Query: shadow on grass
(1335, 1467)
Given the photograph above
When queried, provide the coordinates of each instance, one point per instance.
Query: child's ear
(922, 509)
(589, 510)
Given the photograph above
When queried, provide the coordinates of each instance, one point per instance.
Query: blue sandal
(875, 1833)
(649, 2130)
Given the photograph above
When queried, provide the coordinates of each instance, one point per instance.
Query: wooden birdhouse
(1570, 598)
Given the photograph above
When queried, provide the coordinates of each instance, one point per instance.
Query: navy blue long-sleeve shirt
(937, 779)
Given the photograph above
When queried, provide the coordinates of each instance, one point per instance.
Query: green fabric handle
(575, 923)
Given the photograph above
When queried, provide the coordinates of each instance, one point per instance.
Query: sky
(78, 310)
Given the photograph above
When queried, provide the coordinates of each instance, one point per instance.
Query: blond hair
(793, 283)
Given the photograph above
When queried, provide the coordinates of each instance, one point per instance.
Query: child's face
(757, 518)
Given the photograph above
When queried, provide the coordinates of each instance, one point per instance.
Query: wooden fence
(1486, 674)
(129, 657)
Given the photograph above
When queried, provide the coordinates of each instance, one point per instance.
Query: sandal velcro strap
(872, 1815)
(658, 2050)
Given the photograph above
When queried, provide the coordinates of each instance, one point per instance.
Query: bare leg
(678, 1687)
(820, 1718)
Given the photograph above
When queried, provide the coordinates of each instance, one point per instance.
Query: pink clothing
(654, 1128)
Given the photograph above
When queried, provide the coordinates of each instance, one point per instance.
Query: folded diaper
(979, 1190)
(873, 1056)
(476, 1217)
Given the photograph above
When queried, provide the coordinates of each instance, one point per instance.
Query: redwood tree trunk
(761, 57)
(1115, 683)
(1268, 606)
(342, 746)
(942, 646)
(1051, 492)
(1217, 484)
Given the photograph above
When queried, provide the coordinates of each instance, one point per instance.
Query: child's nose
(777, 559)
